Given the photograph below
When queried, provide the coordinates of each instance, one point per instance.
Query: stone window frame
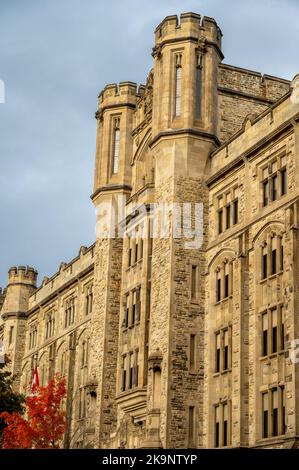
(280, 332)
(268, 431)
(198, 84)
(219, 359)
(50, 323)
(267, 175)
(220, 405)
(70, 310)
(226, 203)
(132, 308)
(223, 275)
(273, 241)
(88, 297)
(33, 328)
(130, 376)
(134, 245)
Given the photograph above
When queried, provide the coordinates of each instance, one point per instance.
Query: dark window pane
(265, 193)
(220, 221)
(283, 181)
(225, 433)
(226, 285)
(236, 210)
(274, 188)
(228, 216)
(265, 343)
(281, 258)
(275, 422)
(265, 424)
(225, 358)
(217, 435)
(217, 360)
(218, 290)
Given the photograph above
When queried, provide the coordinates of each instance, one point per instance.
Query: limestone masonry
(164, 343)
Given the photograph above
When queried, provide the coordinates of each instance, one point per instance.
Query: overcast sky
(55, 57)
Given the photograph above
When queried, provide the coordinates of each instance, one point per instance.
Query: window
(178, 85)
(198, 75)
(265, 415)
(265, 334)
(69, 312)
(223, 350)
(218, 352)
(273, 331)
(194, 280)
(138, 304)
(192, 352)
(129, 253)
(222, 425)
(10, 334)
(130, 370)
(274, 180)
(133, 309)
(265, 262)
(220, 221)
(235, 212)
(127, 311)
(116, 136)
(191, 427)
(33, 336)
(228, 210)
(272, 257)
(273, 412)
(218, 286)
(224, 279)
(217, 426)
(136, 250)
(50, 325)
(88, 300)
(124, 374)
(225, 425)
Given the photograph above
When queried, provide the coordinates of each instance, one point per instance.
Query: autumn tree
(10, 401)
(44, 424)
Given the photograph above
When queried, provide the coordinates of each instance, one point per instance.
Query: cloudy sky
(55, 56)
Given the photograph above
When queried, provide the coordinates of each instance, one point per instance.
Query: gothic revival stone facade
(165, 343)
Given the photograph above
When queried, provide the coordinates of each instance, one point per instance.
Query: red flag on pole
(35, 380)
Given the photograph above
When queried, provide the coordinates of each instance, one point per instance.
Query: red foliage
(45, 423)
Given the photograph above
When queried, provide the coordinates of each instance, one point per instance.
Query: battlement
(122, 93)
(22, 274)
(186, 25)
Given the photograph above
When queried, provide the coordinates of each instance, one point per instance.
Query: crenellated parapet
(189, 26)
(118, 95)
(22, 275)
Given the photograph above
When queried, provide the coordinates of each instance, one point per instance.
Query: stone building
(178, 341)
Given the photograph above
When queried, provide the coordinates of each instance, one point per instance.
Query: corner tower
(21, 285)
(187, 53)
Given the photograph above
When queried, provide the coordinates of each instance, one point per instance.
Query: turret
(21, 285)
(116, 107)
(187, 53)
